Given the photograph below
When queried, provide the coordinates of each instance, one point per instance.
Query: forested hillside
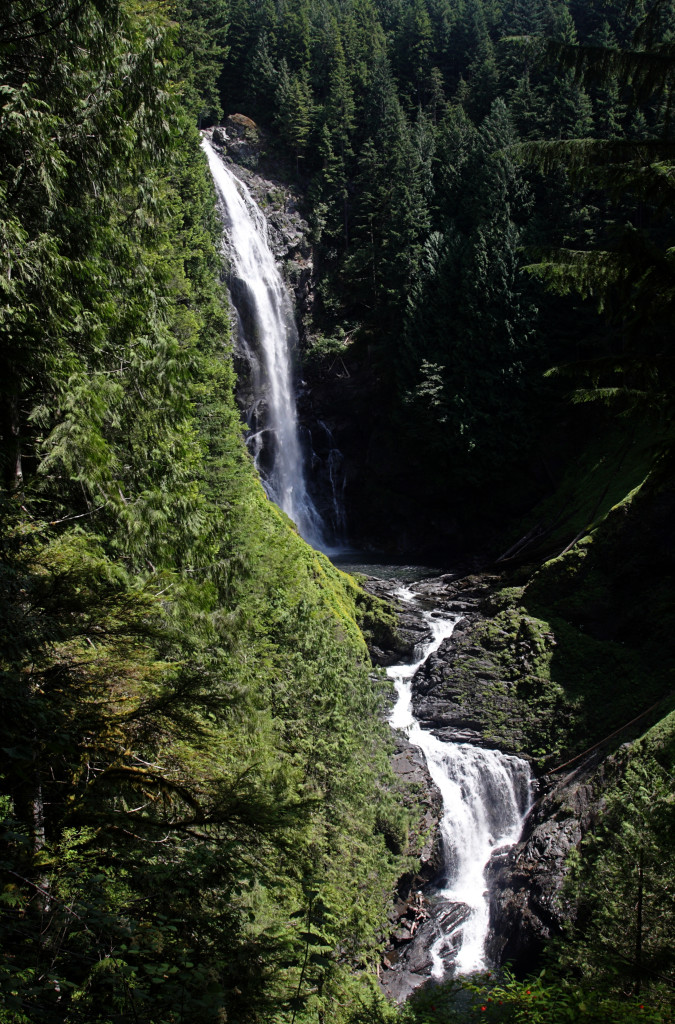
(197, 807)
(200, 822)
(408, 123)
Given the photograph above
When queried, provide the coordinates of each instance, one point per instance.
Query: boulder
(409, 964)
(412, 627)
(409, 765)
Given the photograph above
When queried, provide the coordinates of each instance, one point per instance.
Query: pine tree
(416, 50)
(469, 322)
(202, 40)
(571, 115)
(622, 888)
(295, 111)
(524, 18)
(631, 275)
(390, 212)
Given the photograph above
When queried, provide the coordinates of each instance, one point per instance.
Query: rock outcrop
(406, 962)
(528, 906)
(412, 627)
(243, 144)
(461, 693)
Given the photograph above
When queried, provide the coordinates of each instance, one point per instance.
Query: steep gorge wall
(568, 640)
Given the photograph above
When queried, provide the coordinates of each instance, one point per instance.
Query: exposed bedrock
(412, 627)
(528, 906)
(417, 916)
(407, 962)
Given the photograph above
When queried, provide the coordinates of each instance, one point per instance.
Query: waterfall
(486, 795)
(270, 338)
(333, 473)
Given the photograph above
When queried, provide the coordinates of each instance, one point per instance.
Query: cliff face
(245, 148)
(353, 458)
(326, 416)
(528, 906)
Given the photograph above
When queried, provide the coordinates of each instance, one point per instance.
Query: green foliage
(469, 336)
(203, 31)
(622, 887)
(195, 818)
(595, 652)
(198, 816)
(548, 998)
(404, 122)
(630, 273)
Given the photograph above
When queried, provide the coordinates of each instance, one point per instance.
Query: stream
(486, 795)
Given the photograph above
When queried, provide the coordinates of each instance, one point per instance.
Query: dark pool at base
(386, 566)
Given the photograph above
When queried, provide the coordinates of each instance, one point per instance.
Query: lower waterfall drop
(486, 795)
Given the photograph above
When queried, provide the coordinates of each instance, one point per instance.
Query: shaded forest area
(199, 818)
(428, 137)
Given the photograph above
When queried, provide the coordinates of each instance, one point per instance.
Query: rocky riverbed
(454, 697)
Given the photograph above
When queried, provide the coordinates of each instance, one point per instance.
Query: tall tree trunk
(11, 442)
(638, 923)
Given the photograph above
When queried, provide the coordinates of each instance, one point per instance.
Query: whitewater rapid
(486, 795)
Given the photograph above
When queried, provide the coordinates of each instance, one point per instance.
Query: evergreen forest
(199, 818)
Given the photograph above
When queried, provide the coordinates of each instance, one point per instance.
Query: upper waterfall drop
(265, 307)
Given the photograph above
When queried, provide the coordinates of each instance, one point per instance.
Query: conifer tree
(621, 888)
(469, 322)
(631, 275)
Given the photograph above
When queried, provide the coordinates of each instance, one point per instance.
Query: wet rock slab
(408, 963)
(451, 692)
(459, 693)
(528, 906)
(242, 143)
(409, 765)
(413, 628)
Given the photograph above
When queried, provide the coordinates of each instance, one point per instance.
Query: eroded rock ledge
(243, 145)
(416, 918)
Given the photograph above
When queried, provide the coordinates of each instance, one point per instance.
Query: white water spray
(274, 338)
(486, 795)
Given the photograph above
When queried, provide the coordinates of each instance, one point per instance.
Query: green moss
(659, 741)
(587, 644)
(542, 682)
(609, 470)
(503, 599)
(276, 198)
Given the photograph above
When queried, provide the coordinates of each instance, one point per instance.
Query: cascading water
(486, 795)
(271, 334)
(329, 471)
